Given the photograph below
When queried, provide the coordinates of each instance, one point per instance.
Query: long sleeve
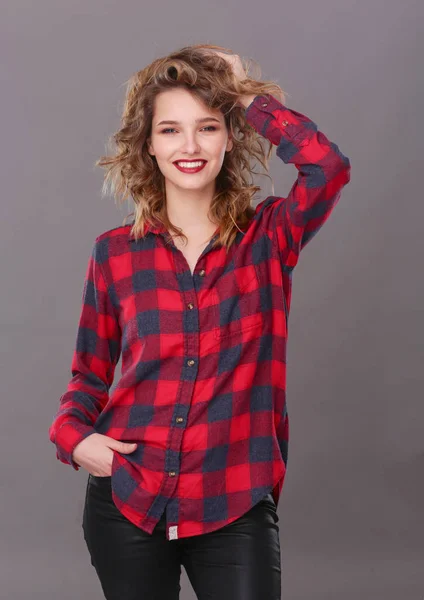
(97, 351)
(322, 173)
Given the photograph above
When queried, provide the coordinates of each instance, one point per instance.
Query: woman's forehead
(182, 106)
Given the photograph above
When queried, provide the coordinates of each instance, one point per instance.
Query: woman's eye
(211, 127)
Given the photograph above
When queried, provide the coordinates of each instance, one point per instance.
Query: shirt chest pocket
(236, 305)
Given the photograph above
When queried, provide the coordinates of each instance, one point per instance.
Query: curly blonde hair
(131, 172)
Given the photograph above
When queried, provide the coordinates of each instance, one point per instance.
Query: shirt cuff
(68, 436)
(266, 103)
(272, 119)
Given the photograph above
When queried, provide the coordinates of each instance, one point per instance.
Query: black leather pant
(240, 561)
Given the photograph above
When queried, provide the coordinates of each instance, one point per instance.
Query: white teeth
(190, 165)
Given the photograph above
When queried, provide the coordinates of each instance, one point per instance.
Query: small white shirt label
(173, 532)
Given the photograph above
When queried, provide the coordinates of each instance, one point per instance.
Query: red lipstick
(187, 170)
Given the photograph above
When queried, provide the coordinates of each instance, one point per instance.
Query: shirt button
(190, 362)
(172, 473)
(264, 103)
(285, 123)
(190, 306)
(179, 419)
(202, 272)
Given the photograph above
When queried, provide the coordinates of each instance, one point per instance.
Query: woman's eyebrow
(203, 120)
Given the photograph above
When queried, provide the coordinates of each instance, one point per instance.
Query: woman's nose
(191, 145)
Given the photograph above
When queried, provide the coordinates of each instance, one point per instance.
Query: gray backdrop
(351, 510)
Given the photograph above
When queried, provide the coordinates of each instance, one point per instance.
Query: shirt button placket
(172, 458)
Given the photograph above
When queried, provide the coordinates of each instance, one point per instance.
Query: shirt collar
(159, 228)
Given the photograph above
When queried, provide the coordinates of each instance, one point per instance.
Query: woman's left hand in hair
(234, 61)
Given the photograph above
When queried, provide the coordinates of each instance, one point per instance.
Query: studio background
(351, 522)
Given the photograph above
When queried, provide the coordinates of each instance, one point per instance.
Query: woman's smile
(190, 166)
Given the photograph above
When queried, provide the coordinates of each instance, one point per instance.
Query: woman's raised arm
(322, 173)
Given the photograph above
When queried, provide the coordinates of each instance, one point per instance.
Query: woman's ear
(230, 144)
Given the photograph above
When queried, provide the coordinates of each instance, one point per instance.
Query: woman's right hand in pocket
(95, 453)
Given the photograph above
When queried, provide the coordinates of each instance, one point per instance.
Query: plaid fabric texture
(203, 381)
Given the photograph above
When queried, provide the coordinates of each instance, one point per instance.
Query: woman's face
(196, 133)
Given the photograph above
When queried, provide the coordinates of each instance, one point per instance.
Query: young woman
(187, 456)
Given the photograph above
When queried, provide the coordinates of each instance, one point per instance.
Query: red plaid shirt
(203, 380)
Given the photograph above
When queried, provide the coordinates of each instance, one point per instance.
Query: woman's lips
(193, 170)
